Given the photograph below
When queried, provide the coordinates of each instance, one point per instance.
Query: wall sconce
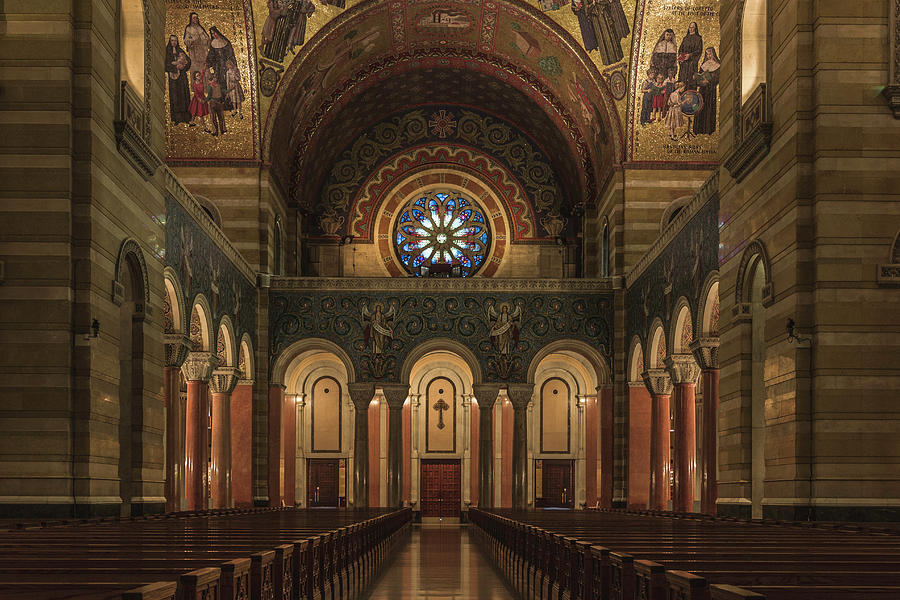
(792, 333)
(95, 330)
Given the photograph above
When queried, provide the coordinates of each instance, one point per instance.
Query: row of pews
(620, 555)
(236, 554)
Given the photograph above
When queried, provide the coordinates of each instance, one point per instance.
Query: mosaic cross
(441, 406)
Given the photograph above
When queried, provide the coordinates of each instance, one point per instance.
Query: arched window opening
(754, 32)
(555, 407)
(131, 45)
(758, 389)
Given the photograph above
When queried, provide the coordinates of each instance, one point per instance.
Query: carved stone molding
(889, 275)
(422, 284)
(520, 394)
(178, 346)
(706, 353)
(131, 129)
(223, 380)
(361, 394)
(198, 366)
(658, 381)
(395, 394)
(130, 249)
(682, 368)
(754, 252)
(486, 394)
(756, 135)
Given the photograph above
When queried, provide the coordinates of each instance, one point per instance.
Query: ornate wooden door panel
(440, 488)
(557, 484)
(322, 482)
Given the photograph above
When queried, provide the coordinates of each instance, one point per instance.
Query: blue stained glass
(442, 229)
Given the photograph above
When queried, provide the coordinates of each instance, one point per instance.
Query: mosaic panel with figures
(505, 330)
(211, 87)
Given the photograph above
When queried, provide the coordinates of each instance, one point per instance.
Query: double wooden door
(322, 482)
(440, 488)
(556, 484)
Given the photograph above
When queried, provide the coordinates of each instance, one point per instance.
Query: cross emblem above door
(441, 406)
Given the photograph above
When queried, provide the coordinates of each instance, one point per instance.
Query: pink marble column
(197, 369)
(407, 454)
(289, 450)
(276, 405)
(174, 447)
(242, 444)
(221, 384)
(706, 353)
(607, 437)
(683, 370)
(659, 384)
(639, 423)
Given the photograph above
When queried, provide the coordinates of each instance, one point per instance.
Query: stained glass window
(442, 233)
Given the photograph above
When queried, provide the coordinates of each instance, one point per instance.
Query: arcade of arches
(473, 253)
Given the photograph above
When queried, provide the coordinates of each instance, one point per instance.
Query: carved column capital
(223, 380)
(486, 394)
(657, 381)
(178, 346)
(706, 353)
(682, 368)
(198, 366)
(361, 394)
(395, 394)
(520, 394)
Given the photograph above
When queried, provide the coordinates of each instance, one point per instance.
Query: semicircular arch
(587, 352)
(441, 344)
(289, 354)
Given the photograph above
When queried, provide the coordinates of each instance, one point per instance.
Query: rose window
(442, 234)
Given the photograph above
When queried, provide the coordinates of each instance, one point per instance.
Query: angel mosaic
(505, 327)
(378, 331)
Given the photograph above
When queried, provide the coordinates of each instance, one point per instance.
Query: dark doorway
(556, 484)
(323, 482)
(440, 488)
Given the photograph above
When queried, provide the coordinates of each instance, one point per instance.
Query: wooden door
(556, 484)
(440, 488)
(322, 485)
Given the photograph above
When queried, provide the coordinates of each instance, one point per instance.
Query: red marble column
(242, 445)
(639, 423)
(289, 450)
(591, 439)
(407, 454)
(709, 487)
(474, 450)
(196, 474)
(685, 448)
(220, 467)
(659, 452)
(607, 438)
(174, 445)
(507, 418)
(276, 404)
(375, 454)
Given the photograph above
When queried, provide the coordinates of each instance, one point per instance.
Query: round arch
(573, 347)
(287, 356)
(707, 325)
(175, 298)
(681, 332)
(754, 254)
(226, 347)
(658, 348)
(131, 253)
(636, 361)
(201, 327)
(440, 363)
(445, 345)
(246, 362)
(672, 210)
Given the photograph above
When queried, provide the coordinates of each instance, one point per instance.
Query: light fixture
(792, 334)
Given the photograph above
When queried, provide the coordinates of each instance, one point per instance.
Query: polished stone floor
(440, 562)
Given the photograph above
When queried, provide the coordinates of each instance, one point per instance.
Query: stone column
(197, 369)
(361, 395)
(683, 370)
(640, 409)
(276, 405)
(607, 446)
(706, 353)
(659, 384)
(221, 384)
(486, 394)
(519, 396)
(415, 401)
(395, 394)
(242, 444)
(466, 488)
(177, 347)
(289, 450)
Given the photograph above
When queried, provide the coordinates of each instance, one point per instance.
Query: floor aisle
(440, 563)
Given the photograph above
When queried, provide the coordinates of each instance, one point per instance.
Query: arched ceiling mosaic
(598, 82)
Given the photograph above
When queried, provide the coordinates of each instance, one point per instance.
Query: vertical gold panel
(440, 416)
(326, 415)
(555, 416)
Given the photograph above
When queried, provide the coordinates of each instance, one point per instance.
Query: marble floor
(440, 562)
